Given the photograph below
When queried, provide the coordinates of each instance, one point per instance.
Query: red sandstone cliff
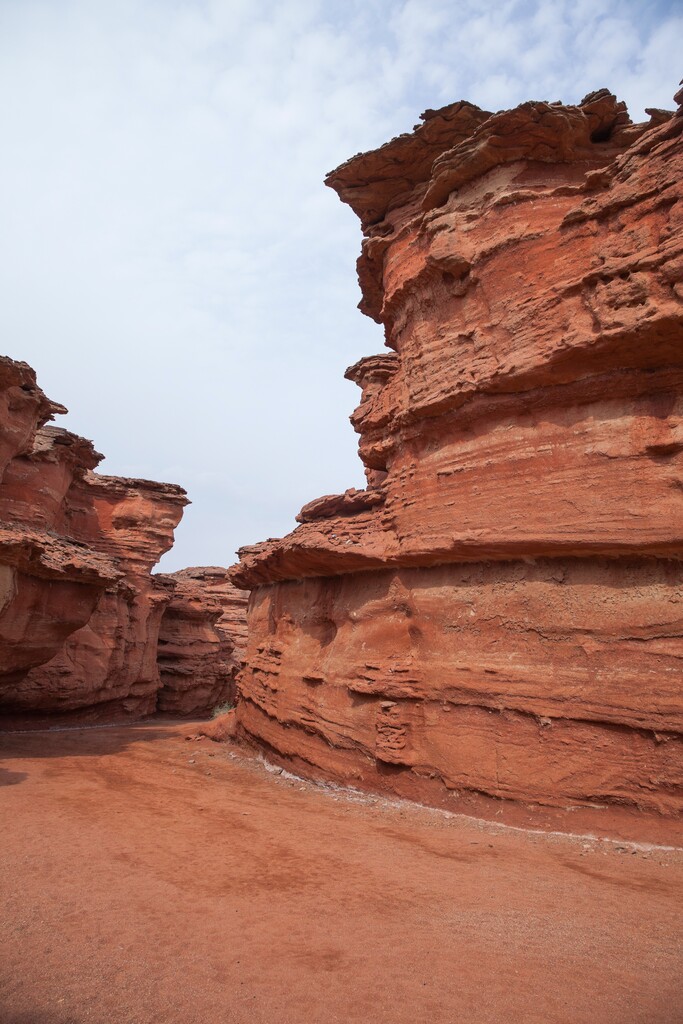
(501, 611)
(201, 642)
(80, 610)
(109, 666)
(50, 582)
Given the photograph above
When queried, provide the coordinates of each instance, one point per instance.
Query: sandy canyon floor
(151, 880)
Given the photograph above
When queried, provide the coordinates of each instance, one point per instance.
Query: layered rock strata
(201, 641)
(109, 666)
(50, 582)
(80, 610)
(500, 612)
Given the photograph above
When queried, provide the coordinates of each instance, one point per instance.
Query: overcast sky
(172, 265)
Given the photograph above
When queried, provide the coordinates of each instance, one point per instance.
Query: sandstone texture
(50, 581)
(80, 610)
(500, 613)
(201, 642)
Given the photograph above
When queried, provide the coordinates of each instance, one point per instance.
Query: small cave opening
(603, 133)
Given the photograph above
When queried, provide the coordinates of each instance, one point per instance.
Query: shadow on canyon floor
(37, 1018)
(95, 741)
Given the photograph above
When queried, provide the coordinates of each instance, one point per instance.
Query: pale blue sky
(172, 265)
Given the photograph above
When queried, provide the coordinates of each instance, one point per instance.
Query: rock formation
(50, 582)
(500, 612)
(80, 610)
(201, 642)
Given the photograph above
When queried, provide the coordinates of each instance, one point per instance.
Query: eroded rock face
(80, 610)
(501, 612)
(50, 582)
(201, 642)
(109, 667)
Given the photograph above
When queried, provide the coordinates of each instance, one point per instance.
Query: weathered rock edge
(501, 611)
(80, 610)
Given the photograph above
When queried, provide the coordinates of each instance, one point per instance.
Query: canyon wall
(500, 611)
(201, 642)
(80, 610)
(50, 582)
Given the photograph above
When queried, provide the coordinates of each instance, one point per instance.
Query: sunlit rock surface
(501, 612)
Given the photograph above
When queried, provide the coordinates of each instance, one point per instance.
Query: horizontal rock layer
(80, 611)
(201, 641)
(500, 611)
(554, 682)
(50, 579)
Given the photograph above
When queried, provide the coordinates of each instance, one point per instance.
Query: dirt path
(149, 879)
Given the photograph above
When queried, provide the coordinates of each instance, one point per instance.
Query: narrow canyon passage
(147, 879)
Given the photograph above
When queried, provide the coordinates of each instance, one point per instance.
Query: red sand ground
(150, 880)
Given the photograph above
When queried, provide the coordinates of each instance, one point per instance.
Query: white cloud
(173, 266)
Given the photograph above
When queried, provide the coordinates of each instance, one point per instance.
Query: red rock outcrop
(80, 610)
(109, 666)
(50, 582)
(501, 612)
(201, 641)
